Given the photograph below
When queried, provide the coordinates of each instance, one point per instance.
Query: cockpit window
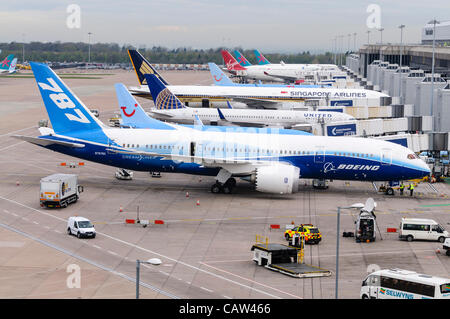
(412, 156)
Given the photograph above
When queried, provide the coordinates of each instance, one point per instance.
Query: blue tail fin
(219, 77)
(241, 59)
(142, 67)
(261, 60)
(133, 115)
(162, 97)
(6, 63)
(12, 68)
(66, 112)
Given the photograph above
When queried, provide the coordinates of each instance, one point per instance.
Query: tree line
(114, 53)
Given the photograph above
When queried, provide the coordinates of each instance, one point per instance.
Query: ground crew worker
(411, 189)
(402, 187)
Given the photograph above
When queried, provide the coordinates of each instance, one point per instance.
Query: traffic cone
(17, 183)
(120, 209)
(198, 202)
(187, 194)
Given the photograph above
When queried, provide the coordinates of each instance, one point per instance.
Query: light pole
(349, 39)
(89, 41)
(354, 206)
(368, 37)
(401, 57)
(23, 48)
(434, 22)
(381, 39)
(153, 261)
(354, 41)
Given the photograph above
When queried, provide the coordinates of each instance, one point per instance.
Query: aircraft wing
(286, 78)
(160, 113)
(257, 103)
(46, 141)
(235, 165)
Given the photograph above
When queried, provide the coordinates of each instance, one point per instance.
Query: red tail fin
(230, 61)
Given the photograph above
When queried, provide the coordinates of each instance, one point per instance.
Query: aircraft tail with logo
(162, 97)
(6, 63)
(142, 66)
(133, 115)
(219, 77)
(12, 68)
(68, 115)
(260, 58)
(231, 63)
(241, 59)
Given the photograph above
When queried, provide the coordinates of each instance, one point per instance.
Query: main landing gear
(225, 188)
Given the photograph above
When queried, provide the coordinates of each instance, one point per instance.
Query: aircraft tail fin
(142, 66)
(219, 77)
(66, 112)
(133, 115)
(6, 63)
(12, 68)
(230, 62)
(260, 58)
(162, 97)
(241, 59)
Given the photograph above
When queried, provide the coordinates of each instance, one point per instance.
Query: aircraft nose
(424, 168)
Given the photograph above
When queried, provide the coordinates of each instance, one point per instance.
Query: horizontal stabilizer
(46, 141)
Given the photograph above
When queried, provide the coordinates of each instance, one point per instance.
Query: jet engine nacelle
(277, 178)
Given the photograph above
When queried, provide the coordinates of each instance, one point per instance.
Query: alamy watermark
(74, 279)
(73, 20)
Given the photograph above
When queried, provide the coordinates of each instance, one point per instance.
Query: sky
(284, 26)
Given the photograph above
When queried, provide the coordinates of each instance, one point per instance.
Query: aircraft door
(319, 155)
(386, 157)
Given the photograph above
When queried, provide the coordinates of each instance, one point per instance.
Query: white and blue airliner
(273, 160)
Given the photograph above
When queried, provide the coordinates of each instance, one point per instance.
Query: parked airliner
(270, 72)
(273, 162)
(266, 97)
(166, 109)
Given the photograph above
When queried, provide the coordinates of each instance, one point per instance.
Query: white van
(81, 227)
(422, 229)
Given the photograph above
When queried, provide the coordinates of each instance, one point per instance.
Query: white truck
(59, 190)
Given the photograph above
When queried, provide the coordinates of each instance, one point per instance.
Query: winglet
(197, 121)
(221, 116)
(229, 105)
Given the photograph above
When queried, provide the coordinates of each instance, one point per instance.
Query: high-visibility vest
(402, 186)
(411, 187)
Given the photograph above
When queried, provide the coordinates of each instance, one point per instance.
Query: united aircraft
(165, 109)
(265, 97)
(273, 161)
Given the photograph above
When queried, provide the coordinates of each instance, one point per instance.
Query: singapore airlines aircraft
(266, 97)
(179, 113)
(272, 162)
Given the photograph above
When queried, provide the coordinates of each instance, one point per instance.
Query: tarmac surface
(205, 248)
